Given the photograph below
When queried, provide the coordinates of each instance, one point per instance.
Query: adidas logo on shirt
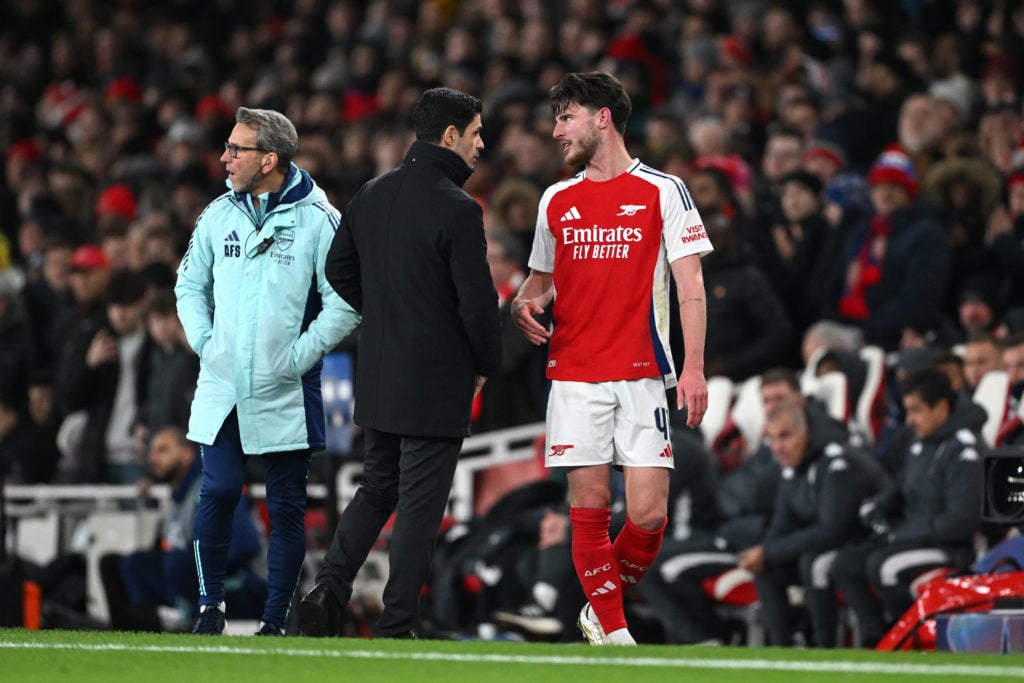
(232, 248)
(571, 215)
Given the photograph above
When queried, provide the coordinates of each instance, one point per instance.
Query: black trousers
(410, 476)
(811, 571)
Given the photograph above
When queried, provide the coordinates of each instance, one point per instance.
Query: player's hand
(523, 312)
(753, 560)
(692, 393)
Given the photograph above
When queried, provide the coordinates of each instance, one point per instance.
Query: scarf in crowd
(865, 271)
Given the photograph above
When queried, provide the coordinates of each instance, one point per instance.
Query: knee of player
(652, 520)
(592, 498)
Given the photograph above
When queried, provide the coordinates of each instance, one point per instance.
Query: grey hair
(836, 336)
(274, 133)
(794, 411)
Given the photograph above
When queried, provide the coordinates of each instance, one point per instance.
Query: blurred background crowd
(859, 165)
(854, 160)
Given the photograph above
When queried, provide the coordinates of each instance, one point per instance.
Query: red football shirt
(608, 246)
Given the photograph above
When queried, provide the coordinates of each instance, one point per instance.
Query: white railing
(479, 452)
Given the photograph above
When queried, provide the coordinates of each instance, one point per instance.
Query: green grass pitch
(108, 657)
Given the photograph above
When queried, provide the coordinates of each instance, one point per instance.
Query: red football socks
(636, 549)
(596, 562)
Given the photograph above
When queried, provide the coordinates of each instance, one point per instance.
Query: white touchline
(644, 662)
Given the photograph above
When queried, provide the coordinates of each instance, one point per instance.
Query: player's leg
(643, 448)
(637, 545)
(592, 552)
(580, 425)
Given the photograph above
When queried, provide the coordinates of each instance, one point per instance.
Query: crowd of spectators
(856, 161)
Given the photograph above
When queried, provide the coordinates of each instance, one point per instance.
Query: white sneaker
(591, 627)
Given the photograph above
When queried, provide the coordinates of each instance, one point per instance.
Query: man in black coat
(411, 257)
(928, 517)
(824, 481)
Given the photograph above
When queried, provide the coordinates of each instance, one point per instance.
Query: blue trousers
(223, 478)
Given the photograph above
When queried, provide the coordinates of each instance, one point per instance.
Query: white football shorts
(623, 423)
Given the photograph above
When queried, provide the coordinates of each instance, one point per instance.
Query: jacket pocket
(293, 361)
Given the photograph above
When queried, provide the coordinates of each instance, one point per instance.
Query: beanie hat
(214, 106)
(805, 179)
(118, 199)
(89, 257)
(826, 150)
(894, 166)
(123, 88)
(850, 191)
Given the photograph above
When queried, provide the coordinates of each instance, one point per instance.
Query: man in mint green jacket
(259, 312)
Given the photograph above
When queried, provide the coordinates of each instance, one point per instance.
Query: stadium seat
(869, 410)
(736, 599)
(810, 371)
(830, 389)
(732, 587)
(720, 393)
(992, 394)
(748, 412)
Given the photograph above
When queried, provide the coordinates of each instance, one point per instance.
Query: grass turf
(110, 657)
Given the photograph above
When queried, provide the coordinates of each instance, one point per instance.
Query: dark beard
(582, 151)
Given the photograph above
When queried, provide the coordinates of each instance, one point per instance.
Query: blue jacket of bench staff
(261, 315)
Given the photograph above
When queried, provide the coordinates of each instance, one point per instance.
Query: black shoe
(531, 618)
(269, 630)
(319, 613)
(210, 622)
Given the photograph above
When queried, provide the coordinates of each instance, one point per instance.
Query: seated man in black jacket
(824, 482)
(928, 518)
